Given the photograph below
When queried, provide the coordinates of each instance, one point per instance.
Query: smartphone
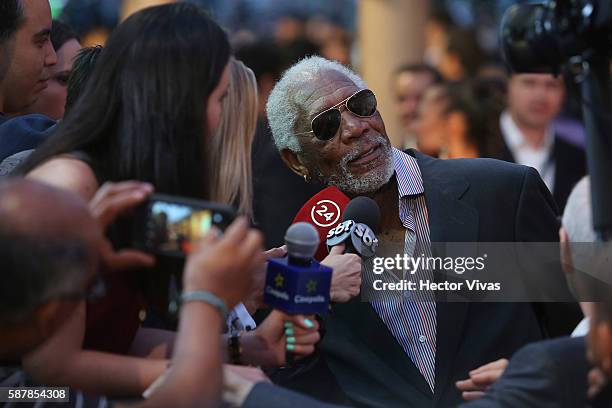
(169, 225)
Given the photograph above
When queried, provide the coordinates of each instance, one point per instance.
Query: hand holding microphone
(278, 334)
(346, 278)
(349, 242)
(298, 285)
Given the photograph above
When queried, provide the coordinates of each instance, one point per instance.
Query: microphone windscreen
(302, 240)
(363, 210)
(324, 212)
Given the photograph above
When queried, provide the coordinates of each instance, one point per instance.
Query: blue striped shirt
(412, 323)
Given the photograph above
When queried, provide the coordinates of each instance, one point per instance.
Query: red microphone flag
(324, 211)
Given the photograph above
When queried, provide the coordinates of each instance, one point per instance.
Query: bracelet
(206, 297)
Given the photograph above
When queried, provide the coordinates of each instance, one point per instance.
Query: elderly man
(405, 353)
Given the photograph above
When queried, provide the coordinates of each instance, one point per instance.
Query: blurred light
(56, 7)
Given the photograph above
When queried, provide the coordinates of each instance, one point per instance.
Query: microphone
(302, 241)
(323, 211)
(298, 284)
(360, 219)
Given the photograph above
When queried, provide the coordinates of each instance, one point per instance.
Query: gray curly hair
(286, 101)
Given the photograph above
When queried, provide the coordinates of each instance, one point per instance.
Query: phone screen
(172, 227)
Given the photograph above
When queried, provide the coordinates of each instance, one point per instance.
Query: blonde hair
(230, 147)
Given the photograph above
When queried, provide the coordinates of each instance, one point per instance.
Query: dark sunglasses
(326, 124)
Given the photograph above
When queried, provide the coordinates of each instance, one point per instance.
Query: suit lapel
(450, 220)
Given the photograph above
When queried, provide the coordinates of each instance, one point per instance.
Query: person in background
(27, 59)
(462, 56)
(437, 26)
(25, 35)
(534, 100)
(429, 129)
(81, 70)
(411, 82)
(461, 120)
(52, 100)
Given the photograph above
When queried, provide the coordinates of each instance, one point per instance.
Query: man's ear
(293, 161)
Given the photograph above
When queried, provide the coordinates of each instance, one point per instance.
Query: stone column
(390, 33)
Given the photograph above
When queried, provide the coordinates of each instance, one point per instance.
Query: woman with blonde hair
(230, 146)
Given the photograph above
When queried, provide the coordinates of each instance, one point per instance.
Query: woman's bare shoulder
(67, 173)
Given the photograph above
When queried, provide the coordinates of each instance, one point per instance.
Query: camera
(573, 37)
(542, 37)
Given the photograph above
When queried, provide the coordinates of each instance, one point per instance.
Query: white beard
(363, 183)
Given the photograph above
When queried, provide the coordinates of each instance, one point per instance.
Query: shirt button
(422, 338)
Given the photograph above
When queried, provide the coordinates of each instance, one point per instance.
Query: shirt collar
(514, 137)
(408, 174)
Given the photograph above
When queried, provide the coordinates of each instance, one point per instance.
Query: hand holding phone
(110, 201)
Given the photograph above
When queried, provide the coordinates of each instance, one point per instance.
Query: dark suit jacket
(546, 374)
(468, 200)
(570, 167)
